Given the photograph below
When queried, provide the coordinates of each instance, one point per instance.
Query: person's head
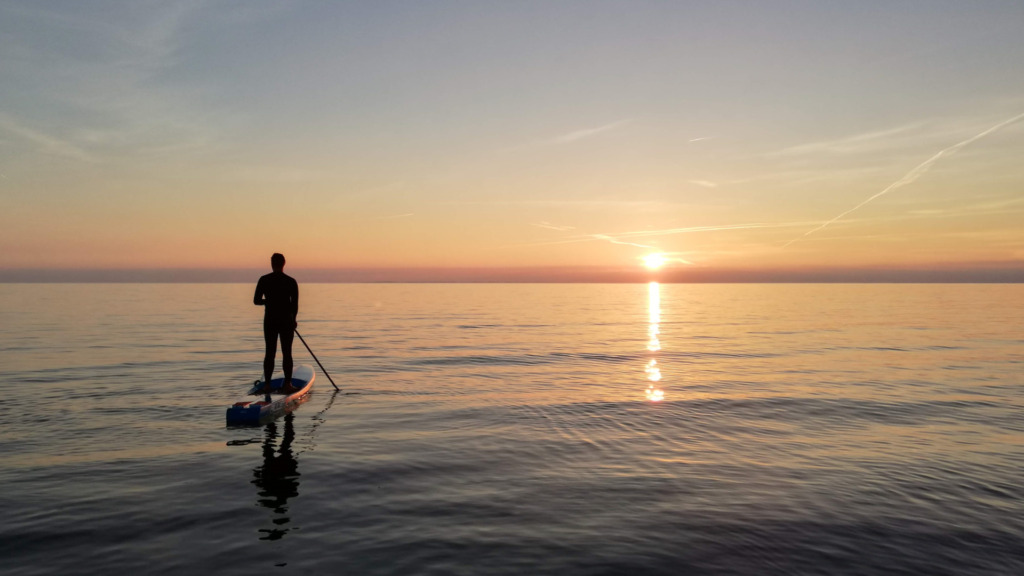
(277, 262)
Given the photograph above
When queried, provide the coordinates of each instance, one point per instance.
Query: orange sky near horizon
(499, 137)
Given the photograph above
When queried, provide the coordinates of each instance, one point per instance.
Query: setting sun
(654, 261)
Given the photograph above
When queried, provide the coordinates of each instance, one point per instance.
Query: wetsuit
(279, 294)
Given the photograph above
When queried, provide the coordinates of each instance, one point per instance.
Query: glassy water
(518, 429)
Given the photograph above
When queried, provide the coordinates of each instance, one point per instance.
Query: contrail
(911, 176)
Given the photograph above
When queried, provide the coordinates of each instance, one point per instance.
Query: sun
(654, 261)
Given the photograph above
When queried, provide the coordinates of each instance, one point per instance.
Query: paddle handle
(317, 359)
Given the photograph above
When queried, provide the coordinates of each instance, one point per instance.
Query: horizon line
(981, 273)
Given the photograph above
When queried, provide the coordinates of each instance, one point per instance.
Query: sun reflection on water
(654, 394)
(654, 312)
(653, 371)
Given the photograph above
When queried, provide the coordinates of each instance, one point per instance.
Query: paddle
(317, 359)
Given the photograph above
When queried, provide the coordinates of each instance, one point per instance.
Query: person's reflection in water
(278, 477)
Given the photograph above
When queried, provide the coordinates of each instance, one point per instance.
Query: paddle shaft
(317, 359)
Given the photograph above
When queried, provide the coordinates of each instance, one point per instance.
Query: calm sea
(518, 429)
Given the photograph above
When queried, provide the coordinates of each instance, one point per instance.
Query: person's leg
(287, 335)
(270, 337)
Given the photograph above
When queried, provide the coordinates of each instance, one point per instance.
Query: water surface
(519, 429)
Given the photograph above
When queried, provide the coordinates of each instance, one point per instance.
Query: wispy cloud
(697, 229)
(551, 226)
(993, 206)
(45, 143)
(858, 143)
(106, 90)
(700, 139)
(622, 237)
(677, 257)
(588, 132)
(911, 176)
(614, 240)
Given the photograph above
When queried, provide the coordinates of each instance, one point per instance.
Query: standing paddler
(278, 293)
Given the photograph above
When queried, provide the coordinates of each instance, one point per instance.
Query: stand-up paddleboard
(257, 410)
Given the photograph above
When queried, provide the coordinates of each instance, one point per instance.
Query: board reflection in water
(277, 477)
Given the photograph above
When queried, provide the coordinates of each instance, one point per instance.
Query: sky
(523, 139)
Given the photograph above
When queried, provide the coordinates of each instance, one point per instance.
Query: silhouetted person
(278, 293)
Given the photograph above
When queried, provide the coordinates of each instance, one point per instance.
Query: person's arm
(257, 298)
(295, 302)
